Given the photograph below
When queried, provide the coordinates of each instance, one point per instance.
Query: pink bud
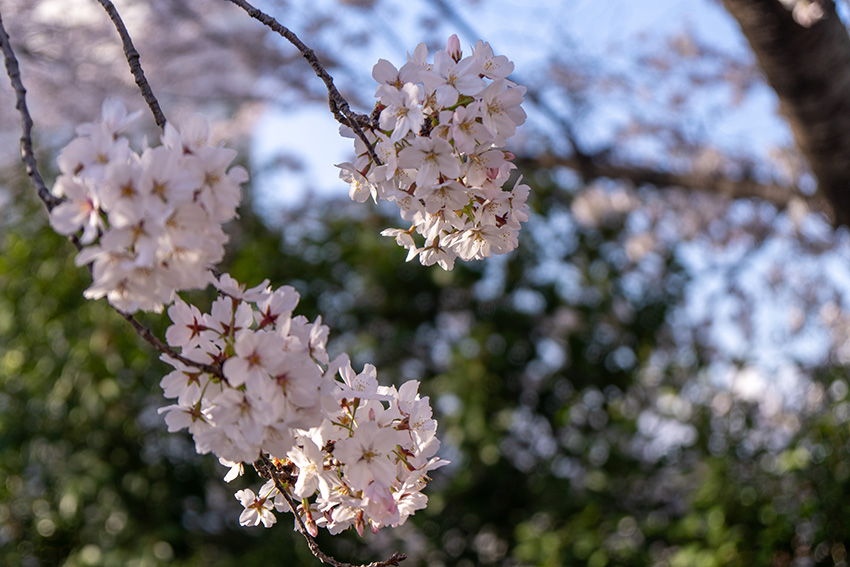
(453, 47)
(359, 524)
(312, 528)
(492, 173)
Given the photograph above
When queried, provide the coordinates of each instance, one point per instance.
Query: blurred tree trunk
(809, 68)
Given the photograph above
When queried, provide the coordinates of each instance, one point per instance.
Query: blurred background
(656, 376)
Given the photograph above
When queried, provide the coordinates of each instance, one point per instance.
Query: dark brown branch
(266, 469)
(156, 343)
(595, 167)
(338, 105)
(27, 154)
(135, 65)
(809, 68)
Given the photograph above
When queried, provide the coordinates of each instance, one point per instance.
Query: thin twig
(27, 154)
(133, 60)
(267, 469)
(336, 102)
(156, 343)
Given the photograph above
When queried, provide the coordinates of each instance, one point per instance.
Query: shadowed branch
(338, 105)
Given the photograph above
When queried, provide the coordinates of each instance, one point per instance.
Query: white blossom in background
(360, 450)
(805, 12)
(598, 205)
(441, 129)
(150, 222)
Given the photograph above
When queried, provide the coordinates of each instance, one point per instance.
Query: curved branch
(336, 102)
(264, 467)
(27, 154)
(135, 65)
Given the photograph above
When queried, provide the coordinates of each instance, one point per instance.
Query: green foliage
(541, 367)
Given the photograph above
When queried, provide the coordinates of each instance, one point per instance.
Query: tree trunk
(809, 68)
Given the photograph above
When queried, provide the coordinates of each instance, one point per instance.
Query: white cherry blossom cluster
(150, 223)
(441, 125)
(250, 381)
(360, 451)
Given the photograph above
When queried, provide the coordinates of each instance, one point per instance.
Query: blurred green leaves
(573, 410)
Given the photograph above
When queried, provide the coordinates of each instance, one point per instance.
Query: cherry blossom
(257, 508)
(350, 442)
(252, 380)
(150, 223)
(441, 129)
(402, 113)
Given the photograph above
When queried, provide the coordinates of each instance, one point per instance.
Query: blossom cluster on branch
(251, 381)
(151, 222)
(362, 450)
(441, 125)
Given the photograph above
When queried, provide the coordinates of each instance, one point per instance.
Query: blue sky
(611, 35)
(602, 32)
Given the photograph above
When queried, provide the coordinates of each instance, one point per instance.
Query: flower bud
(359, 524)
(309, 522)
(453, 48)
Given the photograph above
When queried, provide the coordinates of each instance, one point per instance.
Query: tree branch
(809, 68)
(27, 154)
(156, 343)
(595, 167)
(336, 102)
(266, 469)
(135, 65)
